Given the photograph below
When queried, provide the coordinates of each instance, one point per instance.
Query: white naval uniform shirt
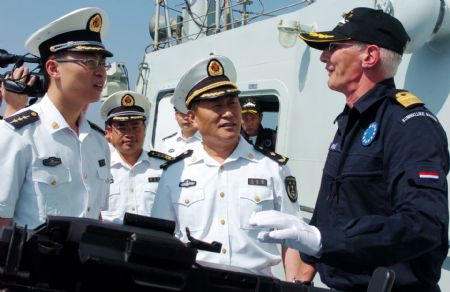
(176, 144)
(31, 189)
(216, 202)
(133, 189)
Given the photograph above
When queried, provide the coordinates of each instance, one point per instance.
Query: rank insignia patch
(154, 179)
(101, 162)
(291, 188)
(257, 182)
(187, 183)
(369, 134)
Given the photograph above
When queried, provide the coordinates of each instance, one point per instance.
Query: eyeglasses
(122, 129)
(332, 47)
(336, 46)
(92, 64)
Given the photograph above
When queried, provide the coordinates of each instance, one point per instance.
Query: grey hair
(389, 62)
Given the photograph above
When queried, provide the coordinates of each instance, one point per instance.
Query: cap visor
(91, 49)
(321, 40)
(126, 118)
(250, 111)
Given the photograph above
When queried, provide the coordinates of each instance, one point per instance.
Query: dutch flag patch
(429, 174)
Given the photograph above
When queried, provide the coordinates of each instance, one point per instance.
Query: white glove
(293, 230)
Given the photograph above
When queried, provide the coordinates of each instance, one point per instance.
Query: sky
(128, 34)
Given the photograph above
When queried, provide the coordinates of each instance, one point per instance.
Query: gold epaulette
(407, 99)
(22, 119)
(96, 127)
(182, 156)
(160, 155)
(282, 160)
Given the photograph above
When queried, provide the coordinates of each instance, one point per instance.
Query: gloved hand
(288, 228)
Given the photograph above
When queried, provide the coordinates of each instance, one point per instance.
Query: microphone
(7, 58)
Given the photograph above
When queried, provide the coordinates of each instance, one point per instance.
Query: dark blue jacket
(383, 195)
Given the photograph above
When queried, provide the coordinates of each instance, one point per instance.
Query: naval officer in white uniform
(180, 141)
(53, 161)
(135, 172)
(214, 189)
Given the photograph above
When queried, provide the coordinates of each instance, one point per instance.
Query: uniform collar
(194, 137)
(243, 150)
(116, 159)
(54, 121)
(378, 92)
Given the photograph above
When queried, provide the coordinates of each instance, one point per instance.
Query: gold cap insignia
(95, 23)
(321, 35)
(215, 68)
(127, 100)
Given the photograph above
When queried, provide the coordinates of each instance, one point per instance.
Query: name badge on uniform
(154, 179)
(51, 161)
(291, 188)
(101, 162)
(257, 182)
(187, 183)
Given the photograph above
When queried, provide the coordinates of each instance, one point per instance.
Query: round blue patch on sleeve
(369, 134)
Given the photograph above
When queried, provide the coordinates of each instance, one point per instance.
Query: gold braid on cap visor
(206, 88)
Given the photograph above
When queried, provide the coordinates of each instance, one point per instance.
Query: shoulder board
(22, 119)
(407, 99)
(282, 160)
(171, 135)
(160, 155)
(182, 156)
(96, 127)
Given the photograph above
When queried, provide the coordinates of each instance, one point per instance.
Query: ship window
(269, 105)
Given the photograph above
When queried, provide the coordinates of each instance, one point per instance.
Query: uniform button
(194, 159)
(55, 125)
(257, 198)
(88, 209)
(250, 156)
(224, 250)
(222, 221)
(133, 209)
(187, 201)
(131, 190)
(53, 183)
(222, 194)
(221, 167)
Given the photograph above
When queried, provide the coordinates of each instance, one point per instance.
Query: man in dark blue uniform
(383, 196)
(252, 129)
